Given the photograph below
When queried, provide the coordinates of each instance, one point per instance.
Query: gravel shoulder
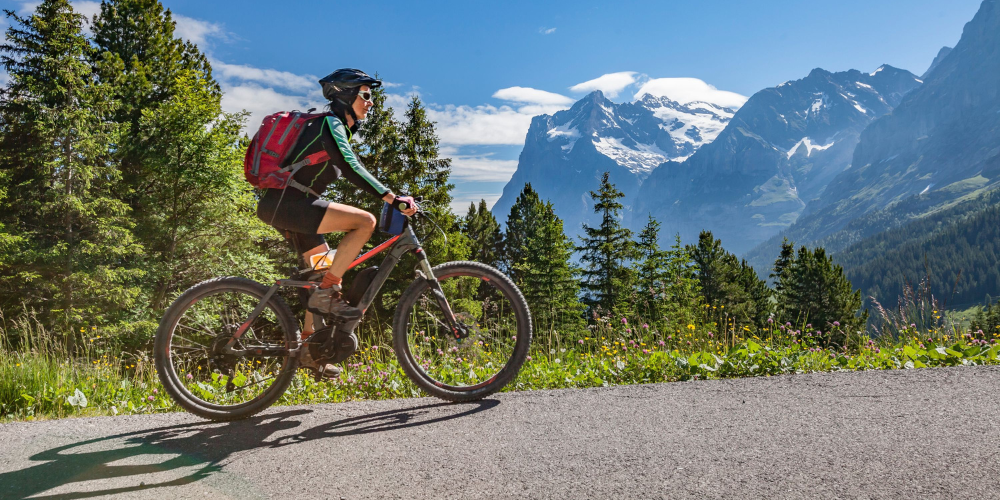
(930, 433)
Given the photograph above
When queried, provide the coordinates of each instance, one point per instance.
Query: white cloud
(482, 168)
(461, 200)
(532, 96)
(88, 8)
(611, 84)
(486, 124)
(686, 90)
(462, 125)
(492, 125)
(283, 79)
(261, 101)
(197, 31)
(546, 31)
(28, 7)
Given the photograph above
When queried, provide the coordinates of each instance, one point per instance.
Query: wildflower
(690, 327)
(646, 326)
(624, 321)
(836, 323)
(189, 376)
(155, 391)
(529, 358)
(770, 320)
(150, 399)
(581, 341)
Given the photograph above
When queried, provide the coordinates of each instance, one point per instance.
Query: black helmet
(342, 85)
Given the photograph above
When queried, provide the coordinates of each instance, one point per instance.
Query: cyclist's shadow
(203, 446)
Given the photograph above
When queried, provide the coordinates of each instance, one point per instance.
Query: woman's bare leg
(359, 226)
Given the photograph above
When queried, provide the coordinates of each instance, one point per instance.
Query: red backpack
(270, 147)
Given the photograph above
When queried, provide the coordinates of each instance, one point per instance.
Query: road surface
(930, 433)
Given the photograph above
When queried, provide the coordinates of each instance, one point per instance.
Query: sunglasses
(366, 95)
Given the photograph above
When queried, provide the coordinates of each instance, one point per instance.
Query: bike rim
(476, 361)
(224, 382)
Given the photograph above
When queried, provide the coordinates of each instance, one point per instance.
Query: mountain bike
(229, 347)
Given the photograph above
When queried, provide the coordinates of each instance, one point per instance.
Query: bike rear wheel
(189, 349)
(497, 319)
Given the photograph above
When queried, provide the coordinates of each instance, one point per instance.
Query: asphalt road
(928, 433)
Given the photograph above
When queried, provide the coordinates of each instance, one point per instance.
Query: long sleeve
(344, 156)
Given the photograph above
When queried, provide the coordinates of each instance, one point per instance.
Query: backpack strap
(309, 160)
(312, 159)
(301, 187)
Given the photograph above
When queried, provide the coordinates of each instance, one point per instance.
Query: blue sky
(484, 68)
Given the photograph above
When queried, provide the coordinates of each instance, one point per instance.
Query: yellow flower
(690, 327)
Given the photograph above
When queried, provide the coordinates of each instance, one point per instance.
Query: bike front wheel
(493, 313)
(193, 365)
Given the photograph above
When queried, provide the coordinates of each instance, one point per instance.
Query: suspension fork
(458, 330)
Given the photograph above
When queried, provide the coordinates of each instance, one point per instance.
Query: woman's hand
(411, 204)
(394, 201)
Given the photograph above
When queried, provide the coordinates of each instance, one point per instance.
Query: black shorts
(296, 215)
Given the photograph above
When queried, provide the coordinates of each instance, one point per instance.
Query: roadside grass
(40, 380)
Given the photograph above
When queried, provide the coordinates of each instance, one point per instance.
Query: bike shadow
(203, 446)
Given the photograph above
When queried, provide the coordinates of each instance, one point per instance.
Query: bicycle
(228, 347)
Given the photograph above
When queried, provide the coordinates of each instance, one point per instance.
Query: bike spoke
(177, 336)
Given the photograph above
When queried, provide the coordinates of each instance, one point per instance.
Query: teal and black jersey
(330, 134)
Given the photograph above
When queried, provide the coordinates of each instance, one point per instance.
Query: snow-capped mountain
(777, 153)
(939, 146)
(566, 153)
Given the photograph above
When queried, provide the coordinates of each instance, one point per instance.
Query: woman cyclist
(303, 217)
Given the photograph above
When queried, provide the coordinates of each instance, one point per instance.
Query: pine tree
(546, 275)
(812, 289)
(181, 156)
(729, 283)
(67, 234)
(608, 250)
(681, 294)
(525, 209)
(486, 243)
(426, 174)
(199, 213)
(651, 271)
(138, 57)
